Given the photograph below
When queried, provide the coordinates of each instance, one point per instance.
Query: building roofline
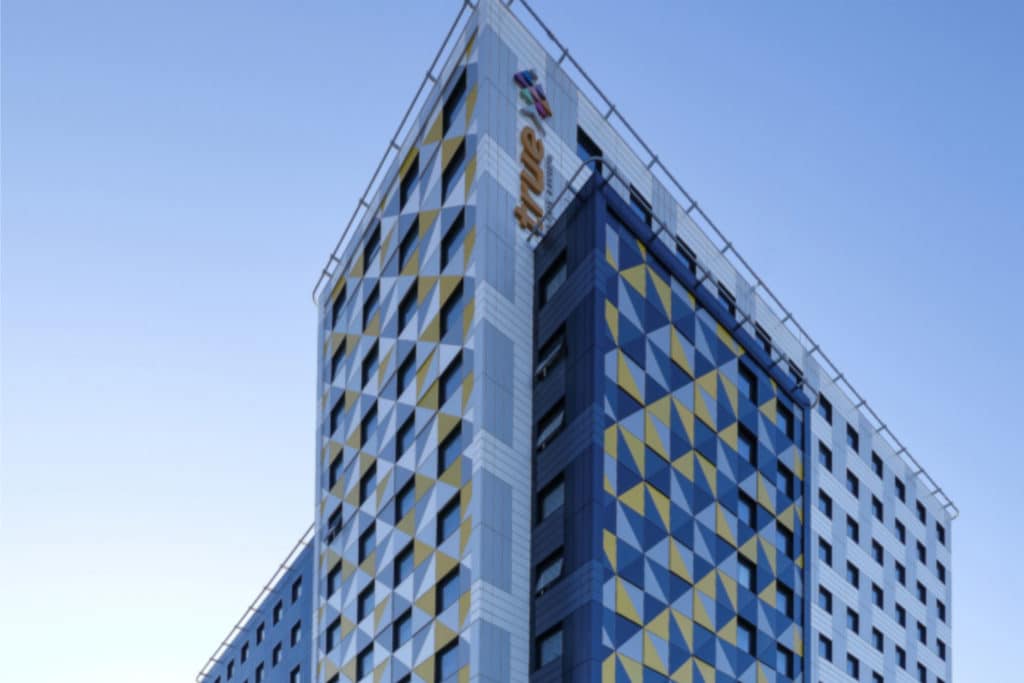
(283, 568)
(660, 173)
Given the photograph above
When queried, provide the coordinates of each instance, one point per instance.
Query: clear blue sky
(174, 174)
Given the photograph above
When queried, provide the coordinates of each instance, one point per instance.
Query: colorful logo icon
(532, 93)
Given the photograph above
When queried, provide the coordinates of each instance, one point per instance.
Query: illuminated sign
(531, 178)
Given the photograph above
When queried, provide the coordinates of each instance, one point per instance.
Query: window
(402, 629)
(901, 490)
(825, 408)
(333, 579)
(763, 338)
(785, 421)
(877, 552)
(549, 571)
(371, 250)
(748, 446)
(367, 543)
(877, 509)
(550, 425)
(784, 480)
(852, 438)
(922, 514)
(448, 520)
(825, 504)
(245, 652)
(551, 353)
(278, 610)
(746, 510)
(940, 533)
(853, 667)
(746, 637)
(451, 104)
(407, 246)
(406, 371)
(641, 206)
(922, 674)
(549, 646)
(453, 239)
(852, 529)
(405, 499)
(824, 648)
(878, 640)
(878, 596)
(728, 299)
(371, 305)
(852, 620)
(408, 181)
(901, 616)
(922, 593)
(550, 499)
(824, 551)
(295, 676)
(331, 638)
(231, 669)
(364, 661)
(334, 472)
(407, 308)
(367, 483)
(552, 279)
(852, 575)
(296, 589)
(784, 599)
(453, 169)
(587, 149)
(901, 531)
(876, 465)
(748, 383)
(747, 574)
(364, 603)
(877, 678)
(901, 574)
(336, 306)
(406, 435)
(337, 358)
(449, 450)
(259, 673)
(296, 633)
(275, 656)
(333, 525)
(941, 609)
(451, 379)
(451, 312)
(261, 631)
(922, 633)
(852, 483)
(368, 427)
(922, 553)
(784, 539)
(404, 564)
(825, 599)
(901, 657)
(940, 645)
(784, 661)
(370, 363)
(824, 456)
(336, 412)
(689, 257)
(447, 663)
(448, 590)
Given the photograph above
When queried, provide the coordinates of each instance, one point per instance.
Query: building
(565, 432)
(272, 641)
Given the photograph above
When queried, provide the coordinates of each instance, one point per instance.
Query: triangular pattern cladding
(393, 422)
(673, 480)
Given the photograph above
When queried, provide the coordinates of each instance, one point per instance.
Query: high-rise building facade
(566, 433)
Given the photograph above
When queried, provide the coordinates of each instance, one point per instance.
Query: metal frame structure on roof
(726, 248)
(268, 589)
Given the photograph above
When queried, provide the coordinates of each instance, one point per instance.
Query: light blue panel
(496, 530)
(493, 653)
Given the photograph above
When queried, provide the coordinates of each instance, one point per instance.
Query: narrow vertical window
(453, 101)
(453, 169)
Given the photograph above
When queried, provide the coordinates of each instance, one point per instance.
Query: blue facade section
(264, 650)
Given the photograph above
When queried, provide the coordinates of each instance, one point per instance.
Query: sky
(174, 175)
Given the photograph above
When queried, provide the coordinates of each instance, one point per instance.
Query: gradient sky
(174, 174)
